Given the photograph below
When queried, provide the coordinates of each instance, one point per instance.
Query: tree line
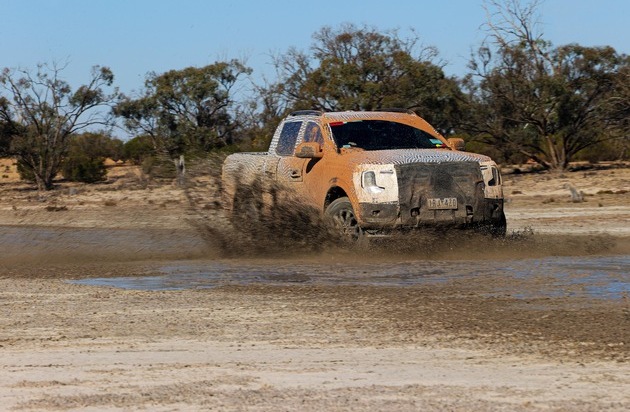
(522, 99)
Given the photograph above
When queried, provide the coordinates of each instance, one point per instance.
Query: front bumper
(419, 182)
(393, 216)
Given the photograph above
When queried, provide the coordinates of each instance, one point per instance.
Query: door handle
(295, 173)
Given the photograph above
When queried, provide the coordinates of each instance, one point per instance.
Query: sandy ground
(453, 345)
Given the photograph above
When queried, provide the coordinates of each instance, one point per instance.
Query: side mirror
(456, 143)
(309, 150)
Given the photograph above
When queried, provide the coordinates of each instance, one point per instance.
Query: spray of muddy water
(276, 240)
(264, 222)
(268, 223)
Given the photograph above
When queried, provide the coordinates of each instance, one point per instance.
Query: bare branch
(49, 114)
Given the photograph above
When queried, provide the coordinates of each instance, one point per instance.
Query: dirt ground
(485, 342)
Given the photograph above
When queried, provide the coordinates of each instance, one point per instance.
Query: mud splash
(268, 222)
(288, 232)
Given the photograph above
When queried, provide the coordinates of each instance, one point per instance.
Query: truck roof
(373, 115)
(395, 115)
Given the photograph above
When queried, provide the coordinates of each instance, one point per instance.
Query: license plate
(445, 203)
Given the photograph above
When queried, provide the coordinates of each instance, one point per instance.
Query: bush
(159, 167)
(25, 172)
(80, 168)
(138, 149)
(605, 151)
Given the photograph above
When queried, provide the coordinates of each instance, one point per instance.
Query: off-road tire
(344, 221)
(499, 229)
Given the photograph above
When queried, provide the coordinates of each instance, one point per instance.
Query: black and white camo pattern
(353, 116)
(405, 156)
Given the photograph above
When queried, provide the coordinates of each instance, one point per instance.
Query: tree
(353, 68)
(187, 110)
(43, 112)
(96, 144)
(262, 114)
(138, 149)
(8, 127)
(546, 103)
(619, 107)
(84, 161)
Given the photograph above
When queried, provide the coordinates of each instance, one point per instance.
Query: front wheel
(344, 221)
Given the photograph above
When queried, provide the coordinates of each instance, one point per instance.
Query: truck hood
(398, 157)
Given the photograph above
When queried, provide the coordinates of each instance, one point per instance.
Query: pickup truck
(370, 174)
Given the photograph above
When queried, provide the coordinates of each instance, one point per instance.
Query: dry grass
(8, 171)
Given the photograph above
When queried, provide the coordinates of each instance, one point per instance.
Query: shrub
(138, 149)
(80, 168)
(159, 167)
(25, 172)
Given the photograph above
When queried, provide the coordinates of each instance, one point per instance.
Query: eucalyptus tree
(361, 68)
(188, 110)
(546, 103)
(40, 111)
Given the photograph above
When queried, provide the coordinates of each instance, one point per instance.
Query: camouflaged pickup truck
(373, 173)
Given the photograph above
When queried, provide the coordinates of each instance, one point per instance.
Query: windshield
(382, 135)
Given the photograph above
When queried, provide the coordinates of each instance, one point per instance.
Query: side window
(313, 133)
(288, 137)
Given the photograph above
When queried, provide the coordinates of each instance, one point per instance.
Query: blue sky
(134, 37)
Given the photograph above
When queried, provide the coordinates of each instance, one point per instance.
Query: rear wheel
(344, 220)
(499, 229)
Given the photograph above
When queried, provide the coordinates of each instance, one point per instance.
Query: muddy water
(52, 244)
(586, 276)
(535, 266)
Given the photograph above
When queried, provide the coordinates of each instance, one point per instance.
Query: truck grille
(419, 182)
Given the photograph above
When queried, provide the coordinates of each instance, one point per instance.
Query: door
(293, 169)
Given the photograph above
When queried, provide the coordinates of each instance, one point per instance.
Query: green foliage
(25, 172)
(607, 150)
(86, 154)
(500, 154)
(549, 111)
(94, 145)
(187, 110)
(546, 103)
(81, 168)
(362, 69)
(138, 149)
(8, 127)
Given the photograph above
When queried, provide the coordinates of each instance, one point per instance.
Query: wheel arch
(334, 193)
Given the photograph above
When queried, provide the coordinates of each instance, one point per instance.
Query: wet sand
(538, 322)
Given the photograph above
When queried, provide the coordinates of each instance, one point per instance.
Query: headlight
(368, 182)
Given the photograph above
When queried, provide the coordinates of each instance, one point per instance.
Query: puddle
(596, 277)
